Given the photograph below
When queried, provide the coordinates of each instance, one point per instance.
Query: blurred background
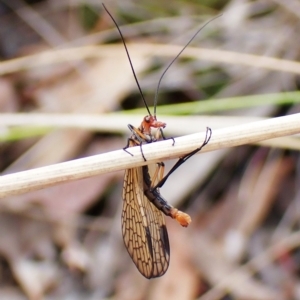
(66, 57)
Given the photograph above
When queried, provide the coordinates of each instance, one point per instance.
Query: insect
(143, 225)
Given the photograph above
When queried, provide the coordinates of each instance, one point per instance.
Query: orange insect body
(143, 225)
(148, 122)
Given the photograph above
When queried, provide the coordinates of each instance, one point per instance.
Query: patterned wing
(143, 227)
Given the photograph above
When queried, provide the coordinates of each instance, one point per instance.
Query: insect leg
(137, 139)
(130, 143)
(158, 175)
(164, 138)
(184, 159)
(142, 152)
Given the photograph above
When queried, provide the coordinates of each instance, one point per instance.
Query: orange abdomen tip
(182, 218)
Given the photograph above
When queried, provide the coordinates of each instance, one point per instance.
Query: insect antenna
(131, 65)
(173, 60)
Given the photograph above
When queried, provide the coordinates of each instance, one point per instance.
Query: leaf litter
(65, 242)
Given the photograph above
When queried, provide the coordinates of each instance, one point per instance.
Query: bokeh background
(65, 242)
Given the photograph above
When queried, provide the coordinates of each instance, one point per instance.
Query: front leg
(137, 138)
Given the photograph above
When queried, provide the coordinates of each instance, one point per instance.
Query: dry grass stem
(136, 50)
(117, 160)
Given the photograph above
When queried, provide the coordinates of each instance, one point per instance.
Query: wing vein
(143, 228)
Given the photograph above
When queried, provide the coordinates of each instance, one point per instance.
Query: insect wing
(143, 228)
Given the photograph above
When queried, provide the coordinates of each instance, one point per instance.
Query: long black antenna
(135, 77)
(170, 64)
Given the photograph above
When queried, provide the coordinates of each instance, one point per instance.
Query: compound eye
(147, 119)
